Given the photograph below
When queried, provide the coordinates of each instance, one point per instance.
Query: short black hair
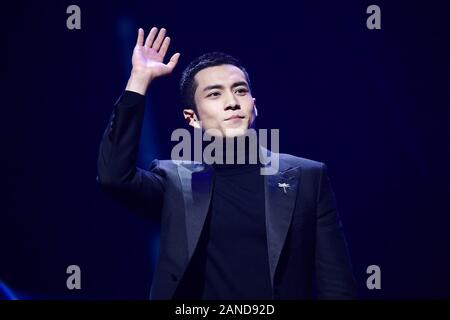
(211, 59)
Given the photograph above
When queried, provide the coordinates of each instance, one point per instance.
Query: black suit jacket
(304, 234)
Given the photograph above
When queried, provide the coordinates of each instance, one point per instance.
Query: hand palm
(148, 59)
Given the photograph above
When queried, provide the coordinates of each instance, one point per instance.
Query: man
(227, 231)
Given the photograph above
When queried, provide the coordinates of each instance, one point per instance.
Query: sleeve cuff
(130, 99)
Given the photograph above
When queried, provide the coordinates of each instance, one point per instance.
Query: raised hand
(148, 59)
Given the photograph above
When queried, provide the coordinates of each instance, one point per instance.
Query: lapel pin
(284, 186)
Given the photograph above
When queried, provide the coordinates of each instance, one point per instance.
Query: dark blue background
(371, 104)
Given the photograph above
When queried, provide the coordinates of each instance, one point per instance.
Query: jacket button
(173, 277)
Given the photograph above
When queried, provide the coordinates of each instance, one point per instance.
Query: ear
(254, 107)
(191, 118)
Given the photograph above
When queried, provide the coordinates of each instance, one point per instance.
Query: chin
(235, 132)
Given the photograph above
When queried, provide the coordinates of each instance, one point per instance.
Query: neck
(234, 151)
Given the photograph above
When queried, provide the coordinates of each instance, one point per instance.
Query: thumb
(173, 61)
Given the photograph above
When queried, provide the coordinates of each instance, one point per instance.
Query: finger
(164, 47)
(140, 37)
(151, 37)
(173, 61)
(159, 39)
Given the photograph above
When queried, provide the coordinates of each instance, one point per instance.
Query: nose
(232, 102)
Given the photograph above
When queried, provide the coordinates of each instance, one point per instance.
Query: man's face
(223, 101)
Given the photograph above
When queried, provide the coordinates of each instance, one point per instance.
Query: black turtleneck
(231, 259)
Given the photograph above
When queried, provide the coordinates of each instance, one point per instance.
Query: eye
(213, 94)
(242, 91)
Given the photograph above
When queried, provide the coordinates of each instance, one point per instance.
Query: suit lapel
(279, 209)
(196, 181)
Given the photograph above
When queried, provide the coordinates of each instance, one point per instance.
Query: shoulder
(174, 165)
(304, 163)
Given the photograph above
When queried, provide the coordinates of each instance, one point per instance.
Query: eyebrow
(219, 86)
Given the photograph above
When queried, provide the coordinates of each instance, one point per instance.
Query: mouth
(235, 117)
